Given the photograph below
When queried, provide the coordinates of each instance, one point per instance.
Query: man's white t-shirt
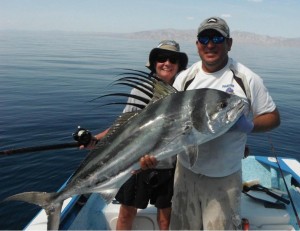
(222, 156)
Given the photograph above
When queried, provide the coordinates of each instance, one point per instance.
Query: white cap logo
(212, 20)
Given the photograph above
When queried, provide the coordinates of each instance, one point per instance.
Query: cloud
(226, 15)
(255, 0)
(190, 18)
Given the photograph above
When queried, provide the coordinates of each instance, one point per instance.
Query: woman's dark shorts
(154, 185)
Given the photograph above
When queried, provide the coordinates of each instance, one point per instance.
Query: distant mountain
(252, 38)
(190, 35)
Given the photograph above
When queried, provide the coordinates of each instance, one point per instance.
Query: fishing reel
(82, 136)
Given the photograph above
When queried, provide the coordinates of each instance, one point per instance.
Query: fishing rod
(284, 181)
(82, 136)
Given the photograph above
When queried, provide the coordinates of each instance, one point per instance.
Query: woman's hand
(91, 145)
(94, 140)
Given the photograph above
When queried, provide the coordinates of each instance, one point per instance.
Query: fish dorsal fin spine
(161, 89)
(149, 84)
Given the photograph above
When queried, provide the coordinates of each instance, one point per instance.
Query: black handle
(82, 136)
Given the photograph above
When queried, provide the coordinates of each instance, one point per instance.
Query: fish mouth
(236, 109)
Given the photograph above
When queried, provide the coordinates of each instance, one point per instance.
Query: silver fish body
(172, 124)
(167, 127)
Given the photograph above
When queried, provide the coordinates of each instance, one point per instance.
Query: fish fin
(147, 91)
(140, 98)
(137, 105)
(43, 200)
(192, 152)
(160, 88)
(122, 119)
(149, 84)
(109, 195)
(190, 145)
(54, 217)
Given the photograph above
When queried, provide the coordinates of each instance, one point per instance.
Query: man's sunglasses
(163, 58)
(215, 39)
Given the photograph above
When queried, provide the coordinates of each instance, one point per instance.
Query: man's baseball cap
(215, 23)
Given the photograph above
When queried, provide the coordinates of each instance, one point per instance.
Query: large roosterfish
(171, 122)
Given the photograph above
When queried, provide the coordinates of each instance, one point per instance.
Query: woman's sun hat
(167, 46)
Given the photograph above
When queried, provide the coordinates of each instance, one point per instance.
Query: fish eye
(223, 104)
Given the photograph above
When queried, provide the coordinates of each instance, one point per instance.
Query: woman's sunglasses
(215, 39)
(164, 57)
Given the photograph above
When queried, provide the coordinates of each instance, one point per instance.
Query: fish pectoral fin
(192, 153)
(189, 143)
(109, 194)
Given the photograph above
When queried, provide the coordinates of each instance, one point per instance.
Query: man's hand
(243, 125)
(147, 162)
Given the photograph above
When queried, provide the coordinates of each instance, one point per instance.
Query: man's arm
(266, 122)
(147, 162)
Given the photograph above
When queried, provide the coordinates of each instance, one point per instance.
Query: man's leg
(186, 208)
(221, 202)
(126, 217)
(163, 218)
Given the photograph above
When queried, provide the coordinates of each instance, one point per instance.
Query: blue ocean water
(47, 80)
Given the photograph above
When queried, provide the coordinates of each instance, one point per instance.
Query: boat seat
(259, 216)
(145, 219)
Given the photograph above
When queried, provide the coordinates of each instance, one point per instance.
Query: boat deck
(94, 215)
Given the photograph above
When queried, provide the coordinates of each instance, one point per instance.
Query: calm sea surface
(48, 79)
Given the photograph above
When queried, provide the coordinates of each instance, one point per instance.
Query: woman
(154, 185)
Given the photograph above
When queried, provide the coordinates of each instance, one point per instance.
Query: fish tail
(44, 200)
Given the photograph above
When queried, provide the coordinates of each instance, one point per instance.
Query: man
(207, 196)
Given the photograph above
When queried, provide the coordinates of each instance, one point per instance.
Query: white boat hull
(95, 215)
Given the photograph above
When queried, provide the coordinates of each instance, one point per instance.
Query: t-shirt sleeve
(261, 99)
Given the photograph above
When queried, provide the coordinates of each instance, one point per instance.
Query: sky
(280, 18)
